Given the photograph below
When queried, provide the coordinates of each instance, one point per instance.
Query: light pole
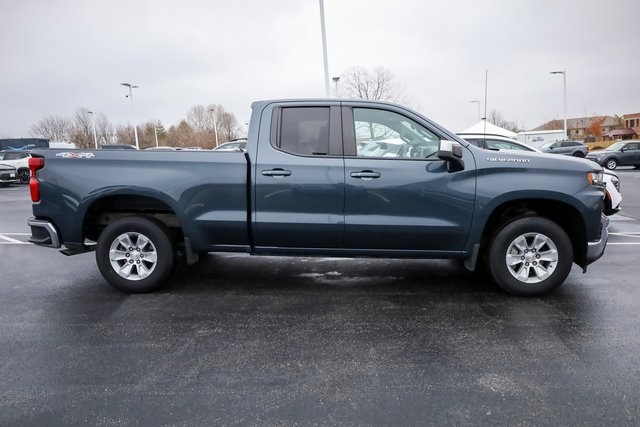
(324, 50)
(477, 101)
(564, 84)
(93, 119)
(215, 125)
(335, 81)
(135, 127)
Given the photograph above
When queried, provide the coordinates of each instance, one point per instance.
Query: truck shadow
(268, 273)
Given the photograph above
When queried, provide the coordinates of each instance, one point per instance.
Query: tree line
(198, 129)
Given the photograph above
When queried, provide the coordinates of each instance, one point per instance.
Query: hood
(595, 152)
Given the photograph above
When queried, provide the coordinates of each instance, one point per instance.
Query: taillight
(35, 164)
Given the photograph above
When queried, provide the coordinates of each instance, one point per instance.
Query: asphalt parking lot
(238, 340)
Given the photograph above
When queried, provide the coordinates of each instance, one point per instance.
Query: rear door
(299, 178)
(402, 199)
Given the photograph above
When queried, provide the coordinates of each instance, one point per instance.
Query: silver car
(568, 148)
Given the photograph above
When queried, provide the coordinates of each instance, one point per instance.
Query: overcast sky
(60, 55)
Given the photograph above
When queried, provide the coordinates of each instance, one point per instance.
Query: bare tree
(376, 85)
(228, 127)
(81, 132)
(54, 128)
(104, 129)
(197, 130)
(125, 135)
(181, 135)
(497, 119)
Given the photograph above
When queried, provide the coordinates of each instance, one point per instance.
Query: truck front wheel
(530, 256)
(135, 255)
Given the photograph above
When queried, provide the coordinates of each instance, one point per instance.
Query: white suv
(19, 160)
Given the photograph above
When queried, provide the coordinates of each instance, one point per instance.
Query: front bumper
(595, 249)
(9, 178)
(44, 233)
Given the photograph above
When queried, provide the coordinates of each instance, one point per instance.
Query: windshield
(615, 147)
(547, 145)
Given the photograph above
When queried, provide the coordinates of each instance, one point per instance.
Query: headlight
(616, 183)
(595, 178)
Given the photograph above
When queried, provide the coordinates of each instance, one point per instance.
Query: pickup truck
(309, 184)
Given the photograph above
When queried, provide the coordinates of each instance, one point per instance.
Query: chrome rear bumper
(43, 233)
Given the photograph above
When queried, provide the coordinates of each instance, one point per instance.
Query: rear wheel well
(566, 216)
(111, 208)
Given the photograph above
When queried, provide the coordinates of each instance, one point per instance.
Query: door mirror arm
(451, 152)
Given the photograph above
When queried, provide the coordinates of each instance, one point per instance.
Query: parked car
(8, 175)
(495, 142)
(613, 195)
(233, 145)
(622, 153)
(19, 159)
(568, 148)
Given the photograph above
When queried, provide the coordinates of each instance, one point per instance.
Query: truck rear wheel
(530, 256)
(135, 255)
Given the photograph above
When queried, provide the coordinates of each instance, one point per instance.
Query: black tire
(611, 164)
(607, 210)
(534, 280)
(145, 275)
(24, 176)
(578, 154)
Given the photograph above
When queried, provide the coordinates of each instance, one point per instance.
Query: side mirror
(451, 152)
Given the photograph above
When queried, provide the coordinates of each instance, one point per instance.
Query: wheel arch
(564, 214)
(104, 210)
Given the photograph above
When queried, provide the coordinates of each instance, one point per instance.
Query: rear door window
(304, 131)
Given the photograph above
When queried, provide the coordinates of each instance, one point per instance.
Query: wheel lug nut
(127, 255)
(138, 262)
(141, 255)
(130, 248)
(130, 261)
(533, 250)
(526, 263)
(538, 256)
(535, 263)
(522, 258)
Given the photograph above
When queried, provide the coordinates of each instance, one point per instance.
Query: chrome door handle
(365, 174)
(276, 173)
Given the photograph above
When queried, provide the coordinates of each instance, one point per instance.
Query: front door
(399, 195)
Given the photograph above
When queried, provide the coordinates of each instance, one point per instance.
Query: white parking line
(6, 240)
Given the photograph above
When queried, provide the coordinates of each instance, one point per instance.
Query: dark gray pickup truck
(323, 177)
